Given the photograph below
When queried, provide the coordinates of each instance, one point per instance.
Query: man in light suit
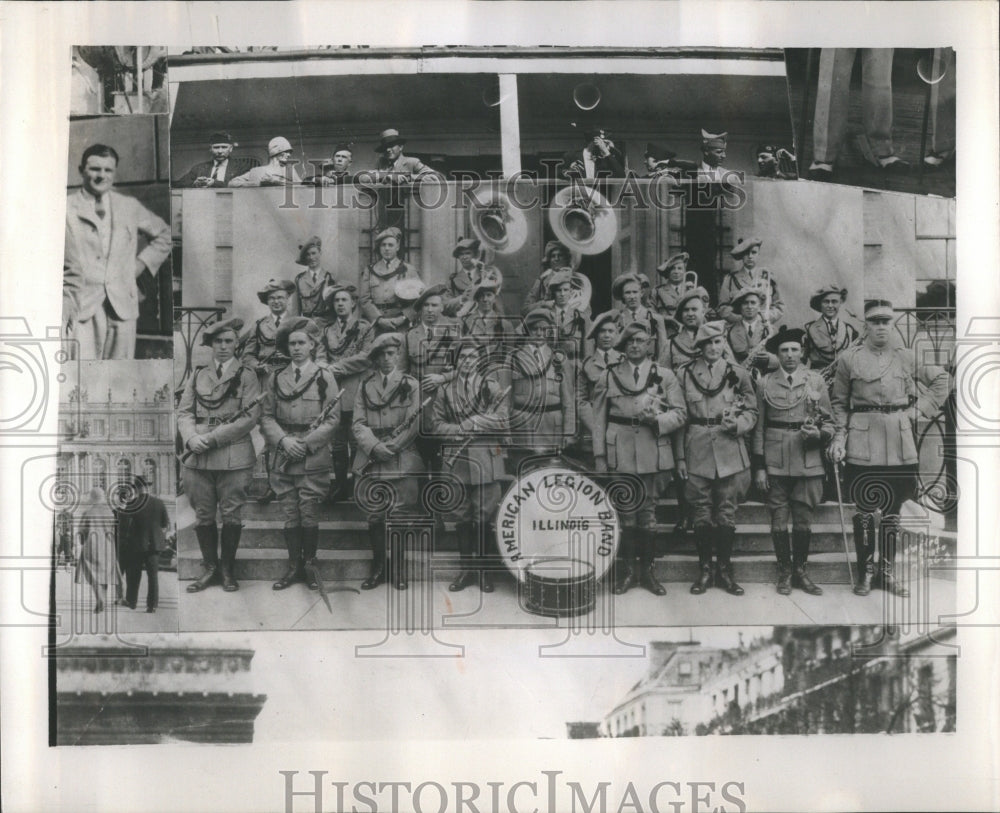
(102, 259)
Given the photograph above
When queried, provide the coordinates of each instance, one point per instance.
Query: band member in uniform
(874, 392)
(628, 290)
(310, 284)
(692, 314)
(470, 418)
(426, 356)
(825, 338)
(470, 272)
(711, 453)
(377, 290)
(674, 271)
(638, 404)
(571, 324)
(298, 424)
(747, 275)
(344, 350)
(544, 407)
(749, 334)
(604, 334)
(386, 423)
(556, 256)
(795, 422)
(218, 471)
(486, 322)
(259, 350)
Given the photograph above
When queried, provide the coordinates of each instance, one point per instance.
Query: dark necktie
(277, 321)
(789, 379)
(218, 371)
(635, 375)
(100, 210)
(215, 170)
(298, 374)
(385, 381)
(605, 358)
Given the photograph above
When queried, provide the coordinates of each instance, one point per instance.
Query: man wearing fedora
(221, 169)
(298, 426)
(218, 471)
(597, 158)
(627, 289)
(386, 424)
(344, 349)
(377, 286)
(102, 260)
(311, 283)
(278, 171)
(747, 275)
(259, 349)
(795, 423)
(469, 419)
(830, 335)
(876, 402)
(711, 453)
(638, 405)
(395, 165)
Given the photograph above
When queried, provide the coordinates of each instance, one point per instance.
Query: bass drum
(559, 587)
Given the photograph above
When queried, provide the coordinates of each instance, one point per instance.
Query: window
(99, 429)
(147, 428)
(123, 427)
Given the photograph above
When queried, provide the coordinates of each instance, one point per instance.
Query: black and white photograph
(115, 542)
(117, 300)
(495, 407)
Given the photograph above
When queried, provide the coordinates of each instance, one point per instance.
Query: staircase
(344, 553)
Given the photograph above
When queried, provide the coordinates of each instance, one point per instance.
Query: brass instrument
(586, 95)
(690, 280)
(498, 225)
(583, 219)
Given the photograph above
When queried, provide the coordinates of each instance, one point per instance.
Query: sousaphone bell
(582, 219)
(499, 226)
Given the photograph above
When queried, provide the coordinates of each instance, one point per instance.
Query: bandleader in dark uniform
(711, 453)
(638, 405)
(794, 425)
(217, 473)
(874, 394)
(298, 427)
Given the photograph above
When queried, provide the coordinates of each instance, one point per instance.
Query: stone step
(667, 512)
(351, 566)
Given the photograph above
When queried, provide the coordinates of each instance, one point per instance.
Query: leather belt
(705, 421)
(783, 424)
(296, 427)
(885, 409)
(211, 421)
(382, 432)
(624, 421)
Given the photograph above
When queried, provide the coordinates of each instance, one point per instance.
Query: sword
(314, 571)
(843, 527)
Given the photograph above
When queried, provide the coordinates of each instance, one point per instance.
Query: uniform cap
(382, 342)
(300, 324)
(825, 291)
(743, 245)
(784, 336)
(209, 333)
(619, 284)
(304, 248)
(632, 329)
(465, 244)
(273, 285)
(603, 319)
(681, 256)
(709, 331)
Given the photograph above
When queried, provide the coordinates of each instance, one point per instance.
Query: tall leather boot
(397, 562)
(782, 550)
(340, 490)
(485, 560)
(703, 541)
(310, 544)
(268, 496)
(293, 544)
(466, 552)
(724, 538)
(625, 577)
(376, 540)
(229, 543)
(208, 541)
(864, 535)
(647, 557)
(800, 555)
(885, 579)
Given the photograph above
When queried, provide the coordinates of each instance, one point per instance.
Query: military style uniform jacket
(206, 402)
(544, 396)
(489, 329)
(536, 294)
(873, 396)
(652, 321)
(708, 451)
(621, 434)
(377, 290)
(463, 408)
(291, 407)
(735, 282)
(378, 410)
(667, 297)
(821, 345)
(681, 349)
(259, 347)
(783, 407)
(427, 349)
(741, 342)
(345, 352)
(571, 329)
(309, 296)
(458, 297)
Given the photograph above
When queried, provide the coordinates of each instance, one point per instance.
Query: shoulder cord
(281, 395)
(231, 390)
